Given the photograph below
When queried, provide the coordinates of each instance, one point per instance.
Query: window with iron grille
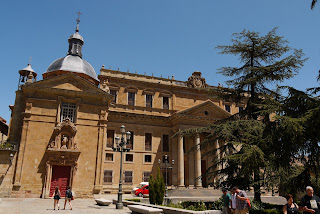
(165, 143)
(107, 177)
(149, 100)
(131, 98)
(114, 94)
(128, 176)
(130, 144)
(147, 158)
(68, 110)
(146, 176)
(148, 142)
(109, 157)
(165, 103)
(110, 138)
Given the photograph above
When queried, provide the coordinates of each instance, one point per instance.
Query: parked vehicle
(142, 191)
(142, 184)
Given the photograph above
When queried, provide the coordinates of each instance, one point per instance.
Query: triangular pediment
(207, 110)
(69, 82)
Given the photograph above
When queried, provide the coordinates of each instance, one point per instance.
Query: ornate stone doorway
(61, 178)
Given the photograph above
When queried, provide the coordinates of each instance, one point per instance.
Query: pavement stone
(39, 206)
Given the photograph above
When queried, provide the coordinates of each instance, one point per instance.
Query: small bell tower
(27, 75)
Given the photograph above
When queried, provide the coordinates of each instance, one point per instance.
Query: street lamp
(120, 148)
(166, 165)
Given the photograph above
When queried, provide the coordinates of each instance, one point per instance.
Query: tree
(156, 189)
(264, 60)
(313, 3)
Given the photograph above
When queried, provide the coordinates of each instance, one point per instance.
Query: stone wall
(6, 173)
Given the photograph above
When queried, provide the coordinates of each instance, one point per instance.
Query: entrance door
(203, 170)
(60, 177)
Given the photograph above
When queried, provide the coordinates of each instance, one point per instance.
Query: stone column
(180, 162)
(198, 162)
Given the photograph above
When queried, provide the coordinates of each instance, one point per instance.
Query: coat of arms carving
(196, 80)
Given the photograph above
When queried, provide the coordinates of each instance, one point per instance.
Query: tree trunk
(256, 187)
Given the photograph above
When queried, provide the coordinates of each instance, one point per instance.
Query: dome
(73, 64)
(76, 35)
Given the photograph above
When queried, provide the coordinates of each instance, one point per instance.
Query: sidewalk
(39, 206)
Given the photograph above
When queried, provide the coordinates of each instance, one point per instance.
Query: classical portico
(190, 163)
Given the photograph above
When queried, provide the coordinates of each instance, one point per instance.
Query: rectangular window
(240, 109)
(109, 157)
(114, 94)
(128, 176)
(227, 108)
(107, 178)
(130, 144)
(129, 157)
(165, 143)
(165, 103)
(146, 176)
(110, 138)
(147, 158)
(131, 98)
(148, 142)
(68, 110)
(149, 100)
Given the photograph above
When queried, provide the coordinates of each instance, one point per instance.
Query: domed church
(64, 129)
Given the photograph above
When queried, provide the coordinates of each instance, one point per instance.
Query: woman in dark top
(290, 207)
(56, 198)
(68, 198)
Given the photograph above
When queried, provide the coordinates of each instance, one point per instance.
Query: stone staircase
(204, 194)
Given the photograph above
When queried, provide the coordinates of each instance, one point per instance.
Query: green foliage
(189, 205)
(313, 3)
(156, 189)
(152, 190)
(161, 187)
(216, 205)
(178, 205)
(254, 140)
(7, 145)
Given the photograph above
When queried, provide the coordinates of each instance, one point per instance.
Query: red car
(142, 191)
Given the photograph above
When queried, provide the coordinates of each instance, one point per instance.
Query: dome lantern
(73, 62)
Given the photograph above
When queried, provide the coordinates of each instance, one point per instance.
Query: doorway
(61, 178)
(203, 170)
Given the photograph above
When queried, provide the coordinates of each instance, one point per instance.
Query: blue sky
(163, 37)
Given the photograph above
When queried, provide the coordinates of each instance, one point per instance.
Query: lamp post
(120, 148)
(166, 165)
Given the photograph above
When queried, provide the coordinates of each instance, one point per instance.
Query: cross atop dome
(78, 21)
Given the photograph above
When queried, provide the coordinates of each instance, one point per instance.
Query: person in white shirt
(233, 201)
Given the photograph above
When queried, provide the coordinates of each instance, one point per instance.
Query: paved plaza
(39, 206)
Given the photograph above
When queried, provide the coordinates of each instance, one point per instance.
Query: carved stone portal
(63, 137)
(196, 81)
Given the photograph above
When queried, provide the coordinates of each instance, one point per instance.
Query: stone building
(3, 130)
(63, 128)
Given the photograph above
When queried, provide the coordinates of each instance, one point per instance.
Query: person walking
(56, 198)
(226, 201)
(310, 203)
(233, 201)
(290, 207)
(241, 201)
(68, 198)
